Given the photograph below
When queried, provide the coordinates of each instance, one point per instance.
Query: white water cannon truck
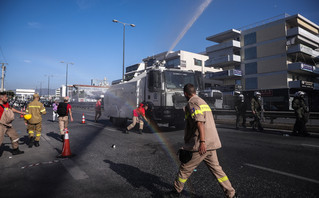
(160, 87)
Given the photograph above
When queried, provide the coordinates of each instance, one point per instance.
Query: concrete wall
(272, 65)
(274, 81)
(271, 32)
(272, 48)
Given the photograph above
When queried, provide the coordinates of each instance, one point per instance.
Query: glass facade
(251, 68)
(250, 53)
(251, 83)
(198, 62)
(250, 39)
(173, 63)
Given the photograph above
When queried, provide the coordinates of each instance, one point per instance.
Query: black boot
(17, 151)
(62, 138)
(31, 142)
(140, 131)
(36, 143)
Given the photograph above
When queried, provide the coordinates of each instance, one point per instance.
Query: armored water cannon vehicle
(160, 87)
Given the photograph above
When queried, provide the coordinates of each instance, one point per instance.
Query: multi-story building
(277, 57)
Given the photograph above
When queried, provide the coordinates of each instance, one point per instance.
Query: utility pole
(3, 68)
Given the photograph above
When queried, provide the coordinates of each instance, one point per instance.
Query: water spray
(199, 12)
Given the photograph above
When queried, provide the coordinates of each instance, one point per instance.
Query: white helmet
(300, 93)
(236, 93)
(257, 93)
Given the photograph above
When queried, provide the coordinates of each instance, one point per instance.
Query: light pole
(49, 84)
(66, 77)
(132, 25)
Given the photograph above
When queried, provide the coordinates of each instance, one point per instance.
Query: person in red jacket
(138, 117)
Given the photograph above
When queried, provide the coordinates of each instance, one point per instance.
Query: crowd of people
(201, 139)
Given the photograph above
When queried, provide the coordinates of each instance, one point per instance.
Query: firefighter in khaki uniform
(202, 139)
(36, 109)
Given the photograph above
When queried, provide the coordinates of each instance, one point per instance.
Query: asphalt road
(258, 164)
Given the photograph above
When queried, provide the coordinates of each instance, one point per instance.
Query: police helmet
(241, 96)
(257, 93)
(300, 93)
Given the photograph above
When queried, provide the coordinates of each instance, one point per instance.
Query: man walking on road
(36, 109)
(64, 110)
(98, 109)
(301, 110)
(6, 126)
(240, 108)
(201, 141)
(256, 108)
(55, 109)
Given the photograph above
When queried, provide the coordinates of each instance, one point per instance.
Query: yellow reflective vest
(36, 109)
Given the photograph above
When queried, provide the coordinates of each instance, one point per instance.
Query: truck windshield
(177, 80)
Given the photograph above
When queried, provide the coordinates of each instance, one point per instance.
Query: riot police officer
(301, 110)
(256, 108)
(240, 108)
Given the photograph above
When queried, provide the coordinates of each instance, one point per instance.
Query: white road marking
(309, 145)
(74, 170)
(283, 173)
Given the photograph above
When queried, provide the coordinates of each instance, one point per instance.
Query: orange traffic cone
(83, 119)
(66, 151)
(21, 115)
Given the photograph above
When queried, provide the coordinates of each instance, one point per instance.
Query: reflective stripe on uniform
(182, 180)
(35, 106)
(205, 108)
(197, 112)
(222, 179)
(27, 110)
(38, 135)
(15, 140)
(31, 132)
(42, 110)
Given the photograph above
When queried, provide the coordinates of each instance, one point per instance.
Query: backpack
(7, 116)
(62, 109)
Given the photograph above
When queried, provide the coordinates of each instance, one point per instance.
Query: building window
(250, 53)
(173, 63)
(250, 39)
(237, 82)
(251, 68)
(251, 83)
(198, 62)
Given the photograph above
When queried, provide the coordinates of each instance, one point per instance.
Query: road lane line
(74, 170)
(310, 145)
(283, 173)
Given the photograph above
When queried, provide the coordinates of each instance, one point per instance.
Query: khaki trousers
(136, 120)
(211, 160)
(11, 133)
(63, 123)
(37, 128)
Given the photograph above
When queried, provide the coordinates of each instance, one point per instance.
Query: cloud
(35, 25)
(27, 61)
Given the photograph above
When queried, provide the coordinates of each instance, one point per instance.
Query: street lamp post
(124, 24)
(49, 84)
(66, 77)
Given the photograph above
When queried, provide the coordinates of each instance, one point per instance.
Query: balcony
(299, 48)
(301, 84)
(223, 61)
(227, 74)
(302, 68)
(228, 44)
(302, 32)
